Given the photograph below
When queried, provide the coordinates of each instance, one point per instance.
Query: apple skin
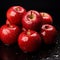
(48, 33)
(31, 23)
(23, 29)
(29, 41)
(9, 34)
(46, 18)
(7, 22)
(15, 14)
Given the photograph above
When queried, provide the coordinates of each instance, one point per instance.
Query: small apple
(29, 41)
(46, 18)
(7, 22)
(15, 14)
(48, 33)
(9, 34)
(31, 20)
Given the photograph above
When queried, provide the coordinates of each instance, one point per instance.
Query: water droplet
(56, 56)
(57, 51)
(48, 58)
(57, 42)
(32, 56)
(17, 53)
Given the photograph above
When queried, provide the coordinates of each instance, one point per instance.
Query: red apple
(31, 20)
(48, 33)
(7, 22)
(29, 41)
(9, 34)
(15, 14)
(23, 29)
(46, 18)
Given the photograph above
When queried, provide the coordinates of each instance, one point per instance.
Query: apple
(48, 33)
(46, 18)
(31, 20)
(9, 34)
(29, 41)
(7, 22)
(15, 14)
(23, 29)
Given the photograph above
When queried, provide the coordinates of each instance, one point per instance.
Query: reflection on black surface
(7, 53)
(45, 52)
(14, 53)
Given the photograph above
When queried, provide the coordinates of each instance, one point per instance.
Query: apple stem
(31, 15)
(43, 14)
(31, 12)
(28, 32)
(17, 8)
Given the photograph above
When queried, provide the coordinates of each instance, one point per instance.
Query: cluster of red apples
(28, 28)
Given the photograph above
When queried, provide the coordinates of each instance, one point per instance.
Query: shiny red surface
(9, 34)
(15, 14)
(29, 41)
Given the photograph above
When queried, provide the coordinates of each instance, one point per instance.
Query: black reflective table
(51, 52)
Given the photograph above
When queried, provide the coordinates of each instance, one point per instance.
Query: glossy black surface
(13, 52)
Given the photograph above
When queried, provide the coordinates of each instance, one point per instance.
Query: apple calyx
(17, 8)
(28, 32)
(46, 27)
(44, 14)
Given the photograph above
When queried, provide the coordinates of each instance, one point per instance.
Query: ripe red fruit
(29, 41)
(46, 18)
(15, 14)
(23, 29)
(48, 33)
(31, 20)
(9, 34)
(7, 22)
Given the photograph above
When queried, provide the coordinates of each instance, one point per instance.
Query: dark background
(50, 6)
(13, 52)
